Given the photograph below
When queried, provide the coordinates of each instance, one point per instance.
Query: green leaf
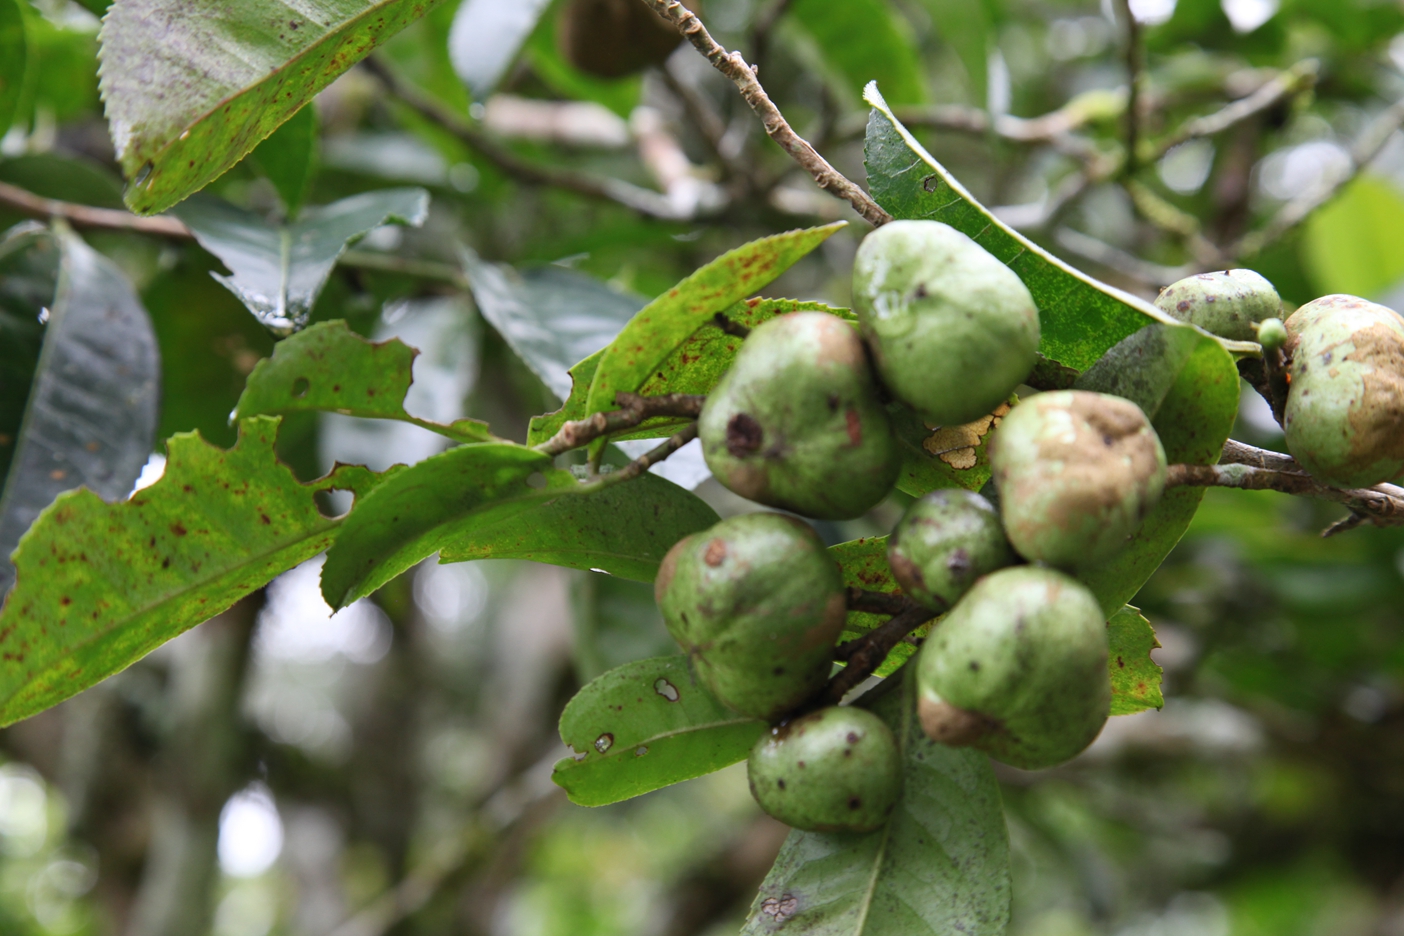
(1135, 677)
(624, 529)
(277, 270)
(101, 585)
(943, 456)
(67, 178)
(1187, 384)
(1355, 244)
(90, 416)
(660, 327)
(330, 368)
(226, 82)
(440, 501)
(864, 565)
(644, 726)
(14, 60)
(695, 366)
(865, 40)
(1080, 317)
(965, 26)
(940, 866)
(289, 158)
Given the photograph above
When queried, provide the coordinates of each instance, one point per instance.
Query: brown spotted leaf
(1135, 677)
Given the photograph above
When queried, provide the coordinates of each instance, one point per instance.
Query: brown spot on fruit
(744, 435)
(716, 552)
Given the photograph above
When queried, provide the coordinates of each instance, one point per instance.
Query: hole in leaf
(300, 387)
(604, 742)
(666, 689)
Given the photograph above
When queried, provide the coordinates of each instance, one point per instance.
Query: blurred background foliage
(386, 770)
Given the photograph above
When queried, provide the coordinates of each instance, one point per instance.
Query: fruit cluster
(1017, 666)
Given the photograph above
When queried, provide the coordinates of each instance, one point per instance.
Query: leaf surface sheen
(225, 81)
(101, 585)
(652, 335)
(643, 726)
(330, 368)
(278, 270)
(939, 866)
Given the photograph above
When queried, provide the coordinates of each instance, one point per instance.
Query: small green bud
(1227, 303)
(796, 423)
(953, 331)
(834, 770)
(1345, 402)
(944, 542)
(1077, 472)
(1018, 669)
(1272, 334)
(758, 604)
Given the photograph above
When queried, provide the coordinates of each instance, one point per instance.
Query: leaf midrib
(662, 736)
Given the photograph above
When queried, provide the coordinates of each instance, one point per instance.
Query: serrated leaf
(1080, 317)
(864, 565)
(643, 726)
(288, 158)
(652, 335)
(940, 865)
(330, 368)
(101, 585)
(550, 316)
(695, 366)
(1135, 677)
(90, 416)
(225, 82)
(624, 530)
(278, 270)
(14, 59)
(864, 41)
(1186, 382)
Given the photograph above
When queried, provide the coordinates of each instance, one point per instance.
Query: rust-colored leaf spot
(179, 529)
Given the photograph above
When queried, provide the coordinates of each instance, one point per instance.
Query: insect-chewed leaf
(225, 81)
(101, 585)
(1135, 677)
(277, 271)
(943, 456)
(624, 530)
(330, 368)
(90, 416)
(864, 565)
(1186, 382)
(1080, 317)
(14, 59)
(646, 725)
(939, 866)
(695, 366)
(652, 335)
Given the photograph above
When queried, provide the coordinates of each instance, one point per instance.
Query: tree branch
(871, 602)
(733, 66)
(1295, 80)
(1382, 505)
(644, 462)
(1135, 77)
(866, 654)
(633, 410)
(84, 216)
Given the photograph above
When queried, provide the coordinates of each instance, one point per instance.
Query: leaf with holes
(330, 368)
(1080, 316)
(1135, 677)
(1188, 385)
(90, 412)
(660, 327)
(224, 82)
(624, 530)
(100, 585)
(278, 270)
(695, 366)
(939, 866)
(643, 726)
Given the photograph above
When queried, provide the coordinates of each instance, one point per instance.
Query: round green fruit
(1345, 402)
(1076, 472)
(943, 543)
(758, 605)
(953, 331)
(1018, 669)
(796, 422)
(1228, 303)
(834, 770)
(1272, 334)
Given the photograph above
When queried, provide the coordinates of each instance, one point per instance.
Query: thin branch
(644, 462)
(1382, 505)
(1114, 258)
(871, 602)
(1240, 453)
(1135, 77)
(866, 654)
(643, 201)
(633, 410)
(733, 66)
(1300, 78)
(84, 216)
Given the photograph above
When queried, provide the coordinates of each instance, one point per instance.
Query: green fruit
(1018, 669)
(614, 38)
(1227, 303)
(953, 330)
(757, 604)
(834, 770)
(1077, 472)
(1345, 403)
(944, 542)
(796, 423)
(1272, 334)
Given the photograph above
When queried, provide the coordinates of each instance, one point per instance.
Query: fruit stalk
(634, 409)
(865, 654)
